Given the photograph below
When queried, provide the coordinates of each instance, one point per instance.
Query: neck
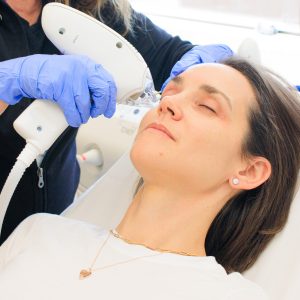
(27, 9)
(162, 219)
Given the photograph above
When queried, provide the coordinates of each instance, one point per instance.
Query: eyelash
(208, 108)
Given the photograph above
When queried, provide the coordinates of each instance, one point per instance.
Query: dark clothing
(60, 169)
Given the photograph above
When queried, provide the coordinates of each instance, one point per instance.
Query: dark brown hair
(246, 224)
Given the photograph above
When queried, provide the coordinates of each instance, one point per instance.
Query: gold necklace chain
(84, 273)
(117, 235)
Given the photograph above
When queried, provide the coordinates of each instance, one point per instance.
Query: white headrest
(278, 268)
(105, 202)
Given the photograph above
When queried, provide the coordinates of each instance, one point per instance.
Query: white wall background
(280, 10)
(231, 22)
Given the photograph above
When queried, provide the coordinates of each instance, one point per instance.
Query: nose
(170, 107)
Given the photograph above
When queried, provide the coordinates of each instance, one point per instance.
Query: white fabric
(43, 257)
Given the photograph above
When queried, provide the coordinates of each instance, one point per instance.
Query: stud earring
(235, 181)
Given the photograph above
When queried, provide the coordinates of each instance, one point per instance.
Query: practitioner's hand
(81, 87)
(198, 55)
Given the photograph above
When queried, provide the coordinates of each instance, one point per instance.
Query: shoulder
(41, 228)
(42, 232)
(42, 224)
(20, 238)
(41, 221)
(235, 286)
(244, 289)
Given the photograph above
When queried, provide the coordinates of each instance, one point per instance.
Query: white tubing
(24, 160)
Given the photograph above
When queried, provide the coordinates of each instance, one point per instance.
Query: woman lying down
(219, 159)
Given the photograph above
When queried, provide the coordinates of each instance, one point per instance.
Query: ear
(256, 171)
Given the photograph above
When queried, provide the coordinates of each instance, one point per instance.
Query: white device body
(41, 124)
(74, 32)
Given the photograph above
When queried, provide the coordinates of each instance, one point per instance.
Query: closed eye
(208, 108)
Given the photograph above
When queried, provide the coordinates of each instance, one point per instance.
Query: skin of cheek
(212, 161)
(209, 157)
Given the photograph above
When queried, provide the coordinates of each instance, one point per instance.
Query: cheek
(143, 145)
(210, 152)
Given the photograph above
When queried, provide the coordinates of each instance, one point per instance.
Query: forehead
(224, 78)
(217, 73)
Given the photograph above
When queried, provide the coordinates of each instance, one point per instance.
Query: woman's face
(193, 139)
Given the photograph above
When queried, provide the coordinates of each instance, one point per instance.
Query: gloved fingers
(74, 99)
(83, 106)
(192, 57)
(111, 108)
(217, 52)
(82, 99)
(208, 53)
(201, 54)
(103, 92)
(71, 112)
(177, 69)
(104, 101)
(197, 55)
(184, 63)
(81, 87)
(100, 101)
(45, 90)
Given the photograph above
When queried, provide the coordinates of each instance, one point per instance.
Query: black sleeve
(159, 49)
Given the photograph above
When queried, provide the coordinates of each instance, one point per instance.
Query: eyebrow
(207, 88)
(177, 79)
(212, 90)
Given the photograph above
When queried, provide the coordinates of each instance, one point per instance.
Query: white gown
(43, 257)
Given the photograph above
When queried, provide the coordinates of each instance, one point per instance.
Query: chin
(147, 157)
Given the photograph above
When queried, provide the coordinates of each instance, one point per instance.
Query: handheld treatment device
(74, 32)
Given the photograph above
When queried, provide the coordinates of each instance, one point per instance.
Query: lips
(161, 128)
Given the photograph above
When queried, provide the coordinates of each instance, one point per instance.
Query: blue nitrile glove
(298, 87)
(198, 55)
(81, 87)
